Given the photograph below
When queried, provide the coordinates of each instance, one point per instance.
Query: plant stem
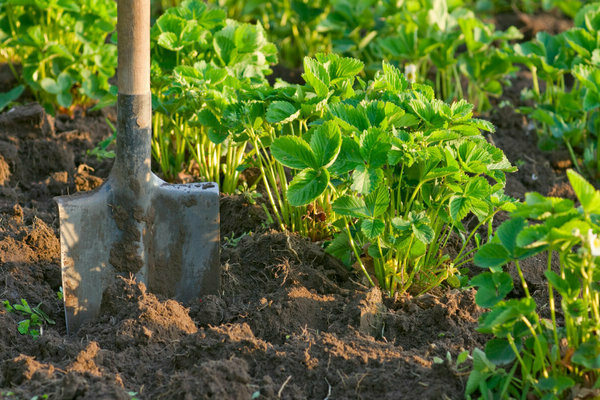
(551, 303)
(356, 254)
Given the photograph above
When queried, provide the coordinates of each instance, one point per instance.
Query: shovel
(167, 236)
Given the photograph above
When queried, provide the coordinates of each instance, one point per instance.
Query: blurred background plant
(62, 49)
(566, 109)
(201, 62)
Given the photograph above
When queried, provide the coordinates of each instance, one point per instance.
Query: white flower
(410, 72)
(594, 242)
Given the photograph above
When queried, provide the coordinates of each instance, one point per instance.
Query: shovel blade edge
(182, 241)
(87, 233)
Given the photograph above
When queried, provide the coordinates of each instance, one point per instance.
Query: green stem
(356, 254)
(536, 84)
(572, 154)
(523, 281)
(551, 303)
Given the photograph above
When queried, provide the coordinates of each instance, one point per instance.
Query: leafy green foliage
(62, 47)
(34, 320)
(201, 62)
(432, 35)
(393, 171)
(567, 116)
(531, 355)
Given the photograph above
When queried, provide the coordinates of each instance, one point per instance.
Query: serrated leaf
(293, 152)
(587, 195)
(491, 255)
(499, 351)
(349, 117)
(326, 142)
(588, 354)
(316, 76)
(493, 287)
(372, 228)
(365, 180)
(377, 201)
(374, 146)
(208, 119)
(307, 186)
(169, 41)
(459, 207)
(282, 112)
(423, 232)
(350, 206)
(340, 248)
(64, 99)
(341, 68)
(394, 78)
(508, 233)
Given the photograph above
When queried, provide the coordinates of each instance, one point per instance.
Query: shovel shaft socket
(134, 108)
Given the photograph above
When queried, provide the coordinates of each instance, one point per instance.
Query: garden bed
(291, 322)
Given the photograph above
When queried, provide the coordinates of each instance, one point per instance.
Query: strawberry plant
(566, 114)
(200, 62)
(531, 355)
(291, 24)
(485, 63)
(61, 45)
(392, 171)
(431, 36)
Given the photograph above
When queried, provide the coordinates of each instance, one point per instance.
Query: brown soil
(552, 22)
(291, 322)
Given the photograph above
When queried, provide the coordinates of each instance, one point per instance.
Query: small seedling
(35, 318)
(456, 365)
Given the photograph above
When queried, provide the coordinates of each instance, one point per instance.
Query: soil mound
(131, 316)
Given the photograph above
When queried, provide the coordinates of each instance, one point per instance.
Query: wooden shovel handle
(133, 30)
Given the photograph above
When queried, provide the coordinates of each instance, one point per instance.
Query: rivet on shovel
(166, 235)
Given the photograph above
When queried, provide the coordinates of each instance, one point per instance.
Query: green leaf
(423, 232)
(8, 97)
(374, 146)
(208, 119)
(372, 227)
(377, 201)
(282, 112)
(350, 206)
(341, 68)
(493, 287)
(587, 195)
(491, 255)
(588, 354)
(365, 180)
(316, 76)
(350, 118)
(326, 142)
(555, 385)
(508, 232)
(169, 41)
(307, 186)
(395, 79)
(293, 152)
(64, 99)
(459, 207)
(23, 327)
(340, 248)
(499, 351)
